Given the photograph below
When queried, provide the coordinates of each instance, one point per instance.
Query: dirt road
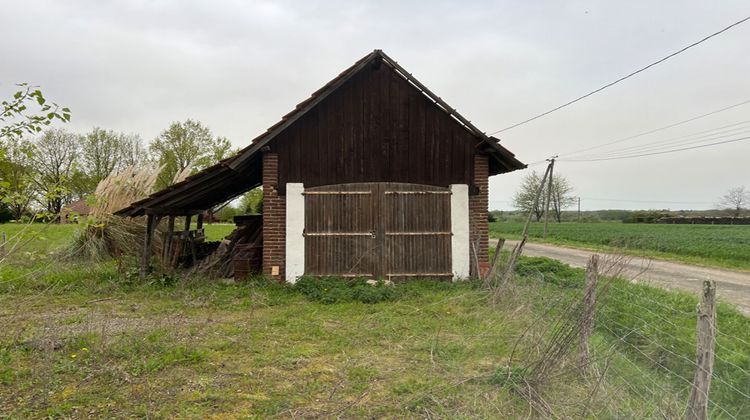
(731, 286)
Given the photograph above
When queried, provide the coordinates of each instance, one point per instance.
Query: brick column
(274, 216)
(478, 207)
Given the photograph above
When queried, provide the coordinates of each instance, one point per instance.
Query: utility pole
(549, 193)
(579, 209)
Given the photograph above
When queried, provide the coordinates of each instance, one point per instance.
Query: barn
(372, 176)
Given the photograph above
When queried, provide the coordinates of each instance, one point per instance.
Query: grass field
(94, 340)
(712, 245)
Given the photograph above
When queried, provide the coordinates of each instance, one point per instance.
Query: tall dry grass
(106, 235)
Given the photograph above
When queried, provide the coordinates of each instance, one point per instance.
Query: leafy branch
(29, 111)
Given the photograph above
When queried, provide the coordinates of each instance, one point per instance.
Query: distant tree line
(531, 195)
(43, 168)
(57, 166)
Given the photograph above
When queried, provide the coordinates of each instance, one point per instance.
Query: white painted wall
(295, 227)
(460, 242)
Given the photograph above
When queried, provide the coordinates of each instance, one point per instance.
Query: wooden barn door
(417, 231)
(340, 230)
(385, 230)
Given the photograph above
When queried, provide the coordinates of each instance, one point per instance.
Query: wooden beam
(168, 244)
(697, 408)
(199, 222)
(151, 222)
(171, 212)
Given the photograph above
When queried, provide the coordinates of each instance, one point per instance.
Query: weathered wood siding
(375, 128)
(387, 230)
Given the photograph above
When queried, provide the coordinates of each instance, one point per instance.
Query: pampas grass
(107, 236)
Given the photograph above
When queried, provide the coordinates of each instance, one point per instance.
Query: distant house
(75, 212)
(372, 176)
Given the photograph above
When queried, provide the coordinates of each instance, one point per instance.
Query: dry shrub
(543, 367)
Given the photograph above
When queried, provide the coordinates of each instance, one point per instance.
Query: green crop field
(93, 339)
(713, 245)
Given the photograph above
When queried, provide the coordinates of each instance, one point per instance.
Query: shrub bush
(551, 271)
(335, 290)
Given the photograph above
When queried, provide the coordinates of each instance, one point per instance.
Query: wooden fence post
(697, 408)
(2, 245)
(589, 304)
(495, 258)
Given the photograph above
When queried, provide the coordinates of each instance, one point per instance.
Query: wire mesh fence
(639, 355)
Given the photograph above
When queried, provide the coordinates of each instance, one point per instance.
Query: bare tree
(736, 200)
(53, 158)
(525, 197)
(561, 198)
(133, 152)
(104, 152)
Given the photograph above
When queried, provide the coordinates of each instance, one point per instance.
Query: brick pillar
(478, 208)
(274, 216)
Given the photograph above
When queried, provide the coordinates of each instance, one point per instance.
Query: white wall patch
(295, 227)
(460, 242)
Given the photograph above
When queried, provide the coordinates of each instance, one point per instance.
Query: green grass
(711, 245)
(40, 238)
(81, 339)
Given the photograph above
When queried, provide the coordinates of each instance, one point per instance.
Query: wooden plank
(339, 234)
(336, 192)
(347, 275)
(419, 274)
(417, 233)
(418, 192)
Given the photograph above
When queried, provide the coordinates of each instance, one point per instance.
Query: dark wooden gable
(374, 122)
(376, 127)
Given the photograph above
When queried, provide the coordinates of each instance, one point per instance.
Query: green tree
(252, 202)
(28, 112)
(185, 146)
(17, 188)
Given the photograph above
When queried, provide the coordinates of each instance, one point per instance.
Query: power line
(624, 77)
(646, 201)
(655, 130)
(657, 153)
(683, 140)
(666, 144)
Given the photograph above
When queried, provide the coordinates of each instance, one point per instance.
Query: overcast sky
(238, 66)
